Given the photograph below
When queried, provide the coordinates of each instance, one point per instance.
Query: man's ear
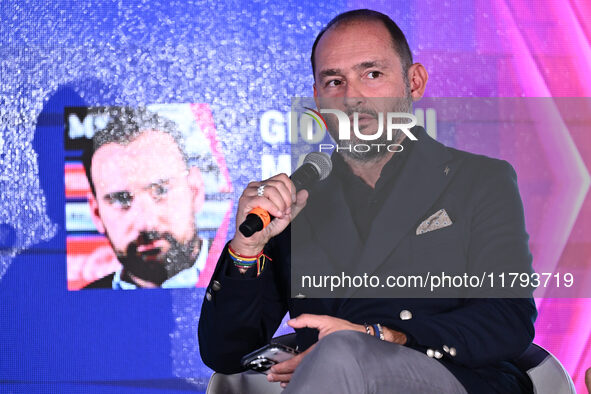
(94, 213)
(197, 188)
(316, 99)
(315, 95)
(417, 77)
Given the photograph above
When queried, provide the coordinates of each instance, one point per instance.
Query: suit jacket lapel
(331, 223)
(421, 182)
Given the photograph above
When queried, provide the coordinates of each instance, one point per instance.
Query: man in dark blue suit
(385, 211)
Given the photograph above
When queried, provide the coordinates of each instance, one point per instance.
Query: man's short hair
(398, 39)
(125, 124)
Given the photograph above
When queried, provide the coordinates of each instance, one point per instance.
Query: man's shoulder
(470, 164)
(106, 282)
(483, 166)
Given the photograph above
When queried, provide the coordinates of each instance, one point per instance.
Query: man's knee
(344, 346)
(348, 347)
(334, 363)
(340, 353)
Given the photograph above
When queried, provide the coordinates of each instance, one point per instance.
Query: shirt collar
(342, 170)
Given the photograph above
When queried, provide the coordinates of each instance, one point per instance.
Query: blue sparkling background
(242, 58)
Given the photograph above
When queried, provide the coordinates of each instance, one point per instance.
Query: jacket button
(446, 348)
(208, 296)
(215, 285)
(452, 351)
(405, 315)
(430, 353)
(300, 296)
(438, 354)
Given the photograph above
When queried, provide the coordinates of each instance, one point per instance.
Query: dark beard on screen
(179, 256)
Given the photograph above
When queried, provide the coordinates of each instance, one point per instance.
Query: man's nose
(353, 95)
(145, 212)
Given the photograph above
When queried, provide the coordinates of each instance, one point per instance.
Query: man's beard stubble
(375, 153)
(179, 256)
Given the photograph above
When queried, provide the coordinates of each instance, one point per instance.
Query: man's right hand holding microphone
(276, 195)
(282, 197)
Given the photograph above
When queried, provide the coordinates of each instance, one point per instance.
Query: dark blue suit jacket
(488, 234)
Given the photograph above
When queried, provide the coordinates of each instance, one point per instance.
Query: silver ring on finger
(261, 190)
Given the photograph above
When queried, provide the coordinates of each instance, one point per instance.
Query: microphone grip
(251, 225)
(304, 176)
(258, 218)
(255, 221)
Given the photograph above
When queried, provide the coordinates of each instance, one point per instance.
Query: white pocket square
(436, 221)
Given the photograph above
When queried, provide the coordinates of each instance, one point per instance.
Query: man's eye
(120, 199)
(374, 74)
(334, 82)
(159, 191)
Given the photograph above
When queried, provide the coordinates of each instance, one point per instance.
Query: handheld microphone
(316, 167)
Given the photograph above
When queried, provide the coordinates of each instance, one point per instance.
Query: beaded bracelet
(378, 331)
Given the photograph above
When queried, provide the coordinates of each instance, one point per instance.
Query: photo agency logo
(384, 137)
(289, 134)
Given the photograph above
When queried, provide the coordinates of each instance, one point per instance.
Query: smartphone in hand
(261, 360)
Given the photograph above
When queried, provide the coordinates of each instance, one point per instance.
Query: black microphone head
(321, 161)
